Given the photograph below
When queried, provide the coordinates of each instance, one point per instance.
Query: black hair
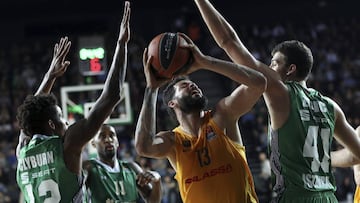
(296, 53)
(169, 92)
(35, 112)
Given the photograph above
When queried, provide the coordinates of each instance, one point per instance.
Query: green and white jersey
(42, 175)
(111, 185)
(300, 149)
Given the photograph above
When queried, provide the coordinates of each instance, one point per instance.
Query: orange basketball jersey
(357, 195)
(211, 167)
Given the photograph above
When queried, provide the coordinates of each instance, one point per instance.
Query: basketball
(168, 58)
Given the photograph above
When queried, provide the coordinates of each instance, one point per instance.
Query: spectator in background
(263, 179)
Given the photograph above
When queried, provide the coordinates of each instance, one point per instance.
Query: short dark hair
(169, 92)
(35, 111)
(297, 53)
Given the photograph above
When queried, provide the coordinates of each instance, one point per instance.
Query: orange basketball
(168, 58)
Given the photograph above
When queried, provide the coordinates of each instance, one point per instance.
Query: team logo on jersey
(210, 134)
(24, 177)
(226, 168)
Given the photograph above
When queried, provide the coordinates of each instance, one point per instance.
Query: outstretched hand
(151, 80)
(124, 34)
(58, 64)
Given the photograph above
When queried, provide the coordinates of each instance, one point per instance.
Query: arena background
(29, 29)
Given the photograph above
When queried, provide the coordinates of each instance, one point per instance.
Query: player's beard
(190, 104)
(109, 154)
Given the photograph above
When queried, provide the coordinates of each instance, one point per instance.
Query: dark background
(24, 19)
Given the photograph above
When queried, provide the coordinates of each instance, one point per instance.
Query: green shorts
(309, 197)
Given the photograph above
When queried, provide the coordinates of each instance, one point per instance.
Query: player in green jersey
(49, 164)
(302, 122)
(110, 179)
(57, 68)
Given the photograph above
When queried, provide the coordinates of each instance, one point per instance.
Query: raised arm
(226, 37)
(276, 94)
(57, 68)
(224, 34)
(147, 142)
(82, 131)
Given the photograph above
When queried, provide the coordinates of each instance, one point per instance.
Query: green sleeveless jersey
(42, 175)
(300, 149)
(112, 185)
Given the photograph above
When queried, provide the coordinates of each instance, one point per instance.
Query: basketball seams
(160, 54)
(172, 68)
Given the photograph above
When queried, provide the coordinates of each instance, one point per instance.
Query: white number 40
(311, 148)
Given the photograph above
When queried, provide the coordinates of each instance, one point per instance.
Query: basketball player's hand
(147, 177)
(124, 34)
(58, 64)
(198, 57)
(151, 80)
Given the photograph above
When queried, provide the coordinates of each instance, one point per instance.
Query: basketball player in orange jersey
(206, 149)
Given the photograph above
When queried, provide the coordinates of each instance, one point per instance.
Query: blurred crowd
(336, 51)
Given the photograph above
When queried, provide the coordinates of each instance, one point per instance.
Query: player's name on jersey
(316, 181)
(306, 115)
(37, 160)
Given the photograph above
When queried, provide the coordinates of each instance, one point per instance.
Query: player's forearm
(343, 158)
(155, 195)
(146, 126)
(116, 76)
(225, 35)
(236, 72)
(46, 84)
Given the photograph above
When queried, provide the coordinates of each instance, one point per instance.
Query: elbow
(227, 43)
(140, 148)
(261, 83)
(227, 40)
(140, 151)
